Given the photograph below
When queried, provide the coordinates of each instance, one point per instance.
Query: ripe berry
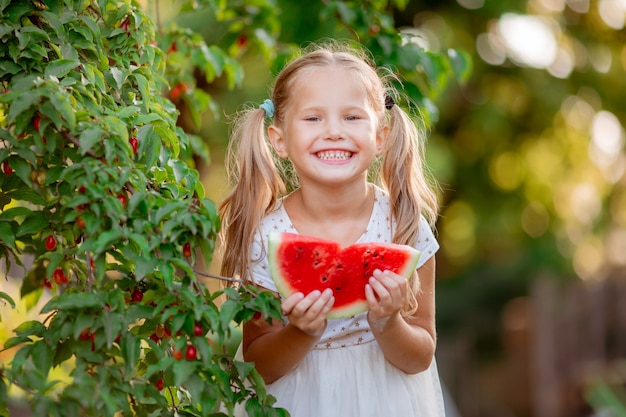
(177, 90)
(122, 199)
(51, 243)
(242, 41)
(177, 354)
(197, 329)
(36, 122)
(136, 295)
(191, 353)
(187, 250)
(80, 222)
(59, 276)
(6, 167)
(160, 384)
(134, 143)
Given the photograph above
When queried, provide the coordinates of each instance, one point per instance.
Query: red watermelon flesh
(300, 263)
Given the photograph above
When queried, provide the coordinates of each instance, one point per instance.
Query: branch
(221, 278)
(67, 135)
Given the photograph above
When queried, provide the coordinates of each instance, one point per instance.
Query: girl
(333, 118)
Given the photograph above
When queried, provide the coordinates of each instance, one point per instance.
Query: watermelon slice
(300, 263)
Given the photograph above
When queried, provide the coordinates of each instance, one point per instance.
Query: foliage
(95, 194)
(102, 209)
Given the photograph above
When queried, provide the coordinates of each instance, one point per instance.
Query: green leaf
(15, 212)
(6, 235)
(71, 301)
(15, 341)
(89, 137)
(20, 104)
(33, 224)
(7, 298)
(42, 356)
(64, 106)
(30, 328)
(27, 194)
(60, 67)
(461, 63)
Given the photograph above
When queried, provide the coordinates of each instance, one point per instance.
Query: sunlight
(607, 139)
(529, 40)
(613, 13)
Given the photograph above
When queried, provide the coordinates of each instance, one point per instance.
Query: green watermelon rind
(357, 307)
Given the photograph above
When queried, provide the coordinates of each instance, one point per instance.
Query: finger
(313, 304)
(291, 301)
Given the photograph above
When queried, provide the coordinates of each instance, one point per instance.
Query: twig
(221, 278)
(67, 135)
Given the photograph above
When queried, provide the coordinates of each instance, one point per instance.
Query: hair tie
(268, 106)
(389, 102)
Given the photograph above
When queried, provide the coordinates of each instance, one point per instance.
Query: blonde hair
(260, 178)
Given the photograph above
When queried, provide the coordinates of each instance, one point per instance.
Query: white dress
(346, 374)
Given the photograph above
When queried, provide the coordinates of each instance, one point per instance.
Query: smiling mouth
(334, 155)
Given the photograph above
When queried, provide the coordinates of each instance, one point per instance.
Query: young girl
(333, 118)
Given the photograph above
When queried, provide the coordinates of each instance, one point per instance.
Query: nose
(334, 129)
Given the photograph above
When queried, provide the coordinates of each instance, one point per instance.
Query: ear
(275, 135)
(381, 139)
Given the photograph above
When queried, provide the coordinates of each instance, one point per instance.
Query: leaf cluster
(101, 209)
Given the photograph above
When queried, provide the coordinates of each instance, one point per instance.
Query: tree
(103, 210)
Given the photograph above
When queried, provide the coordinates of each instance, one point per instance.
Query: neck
(339, 214)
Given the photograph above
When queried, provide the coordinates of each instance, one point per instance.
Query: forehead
(333, 82)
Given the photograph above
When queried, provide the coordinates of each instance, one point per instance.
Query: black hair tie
(389, 102)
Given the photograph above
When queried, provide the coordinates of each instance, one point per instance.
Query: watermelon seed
(324, 278)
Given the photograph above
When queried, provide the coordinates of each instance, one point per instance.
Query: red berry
(159, 384)
(257, 315)
(46, 283)
(125, 25)
(172, 48)
(80, 222)
(198, 330)
(86, 334)
(6, 167)
(177, 354)
(59, 276)
(37, 122)
(122, 199)
(187, 250)
(177, 90)
(136, 295)
(191, 353)
(51, 243)
(242, 41)
(134, 143)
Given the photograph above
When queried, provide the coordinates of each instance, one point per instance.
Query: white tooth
(334, 155)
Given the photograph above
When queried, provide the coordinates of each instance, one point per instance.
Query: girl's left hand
(385, 294)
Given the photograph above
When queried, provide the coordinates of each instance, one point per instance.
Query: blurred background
(529, 153)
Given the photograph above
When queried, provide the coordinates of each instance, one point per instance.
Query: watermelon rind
(277, 239)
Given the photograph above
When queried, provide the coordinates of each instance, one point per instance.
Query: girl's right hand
(309, 313)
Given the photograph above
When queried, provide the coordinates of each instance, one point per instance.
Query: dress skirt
(357, 381)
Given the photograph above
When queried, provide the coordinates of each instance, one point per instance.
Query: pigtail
(410, 194)
(256, 187)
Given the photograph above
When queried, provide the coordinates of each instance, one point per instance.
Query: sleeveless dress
(346, 374)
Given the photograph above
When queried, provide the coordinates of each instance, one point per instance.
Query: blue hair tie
(268, 106)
